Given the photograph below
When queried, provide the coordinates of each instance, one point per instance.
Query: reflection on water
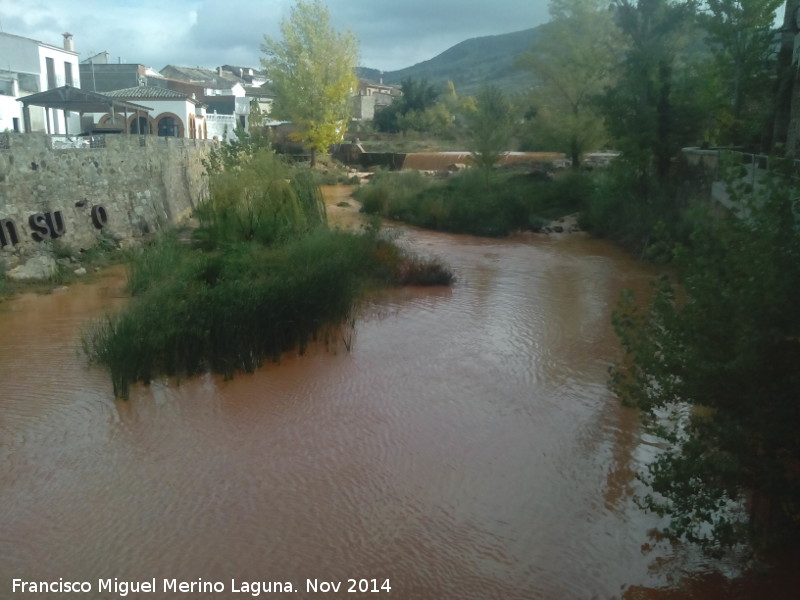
(466, 447)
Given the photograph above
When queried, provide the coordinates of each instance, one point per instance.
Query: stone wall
(132, 186)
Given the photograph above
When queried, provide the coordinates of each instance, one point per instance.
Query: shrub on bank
(391, 190)
(478, 202)
(643, 215)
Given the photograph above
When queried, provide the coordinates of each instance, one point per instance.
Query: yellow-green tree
(313, 73)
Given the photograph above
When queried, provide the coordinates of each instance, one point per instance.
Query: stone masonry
(132, 186)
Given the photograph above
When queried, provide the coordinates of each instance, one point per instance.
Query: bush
(390, 188)
(479, 202)
(712, 362)
(637, 212)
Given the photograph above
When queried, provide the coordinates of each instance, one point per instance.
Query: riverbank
(68, 269)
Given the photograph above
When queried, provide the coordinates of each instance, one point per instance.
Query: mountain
(470, 64)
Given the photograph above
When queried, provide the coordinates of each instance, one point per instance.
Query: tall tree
(713, 364)
(742, 42)
(490, 125)
(649, 112)
(572, 61)
(408, 111)
(786, 76)
(313, 72)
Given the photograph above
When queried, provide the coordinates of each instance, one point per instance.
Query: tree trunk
(663, 150)
(575, 154)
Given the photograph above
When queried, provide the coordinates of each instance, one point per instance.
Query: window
(68, 73)
(51, 73)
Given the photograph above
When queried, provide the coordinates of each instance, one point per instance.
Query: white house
(226, 94)
(173, 114)
(29, 67)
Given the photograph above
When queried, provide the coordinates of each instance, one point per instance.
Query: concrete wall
(133, 186)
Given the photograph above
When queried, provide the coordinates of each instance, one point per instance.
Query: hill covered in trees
(470, 64)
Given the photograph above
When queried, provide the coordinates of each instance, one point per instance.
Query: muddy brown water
(465, 447)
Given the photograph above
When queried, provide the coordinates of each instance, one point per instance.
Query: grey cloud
(392, 35)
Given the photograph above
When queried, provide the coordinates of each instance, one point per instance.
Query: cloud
(392, 35)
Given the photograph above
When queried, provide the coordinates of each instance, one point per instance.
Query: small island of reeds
(261, 275)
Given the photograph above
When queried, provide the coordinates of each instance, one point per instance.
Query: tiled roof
(207, 77)
(148, 92)
(261, 91)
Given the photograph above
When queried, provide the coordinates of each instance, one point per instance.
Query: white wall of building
(221, 127)
(182, 109)
(25, 60)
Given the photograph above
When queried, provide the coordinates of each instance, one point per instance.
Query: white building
(227, 92)
(173, 114)
(29, 67)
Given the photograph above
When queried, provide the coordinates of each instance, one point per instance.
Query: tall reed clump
(260, 200)
(225, 310)
(266, 277)
(476, 201)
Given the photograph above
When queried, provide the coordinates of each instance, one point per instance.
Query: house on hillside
(173, 114)
(29, 67)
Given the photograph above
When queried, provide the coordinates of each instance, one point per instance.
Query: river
(466, 446)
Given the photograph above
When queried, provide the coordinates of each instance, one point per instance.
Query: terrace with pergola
(75, 100)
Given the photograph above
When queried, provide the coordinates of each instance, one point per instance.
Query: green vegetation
(490, 126)
(713, 364)
(489, 204)
(472, 63)
(568, 76)
(257, 202)
(228, 309)
(262, 275)
(645, 217)
(741, 42)
(415, 110)
(712, 359)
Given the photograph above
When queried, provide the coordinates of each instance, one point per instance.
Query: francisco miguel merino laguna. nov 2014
(198, 586)
(122, 588)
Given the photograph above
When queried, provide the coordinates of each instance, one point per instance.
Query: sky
(392, 34)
